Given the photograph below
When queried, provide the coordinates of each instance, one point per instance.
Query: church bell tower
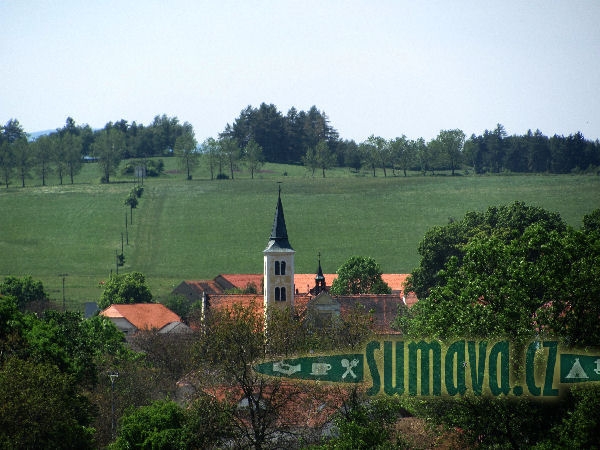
(279, 264)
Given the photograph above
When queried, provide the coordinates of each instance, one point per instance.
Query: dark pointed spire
(320, 276)
(320, 284)
(279, 235)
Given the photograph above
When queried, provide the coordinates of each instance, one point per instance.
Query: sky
(375, 67)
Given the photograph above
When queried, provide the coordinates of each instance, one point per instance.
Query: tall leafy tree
(310, 160)
(23, 159)
(403, 153)
(71, 150)
(164, 134)
(296, 139)
(451, 144)
(212, 155)
(369, 153)
(230, 152)
(59, 155)
(253, 156)
(7, 162)
(24, 290)
(538, 155)
(441, 243)
(359, 275)
(186, 150)
(125, 288)
(350, 155)
(109, 148)
(42, 149)
(13, 131)
(324, 156)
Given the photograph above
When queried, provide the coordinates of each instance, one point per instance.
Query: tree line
(64, 151)
(264, 134)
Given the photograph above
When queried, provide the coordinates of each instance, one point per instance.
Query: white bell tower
(279, 264)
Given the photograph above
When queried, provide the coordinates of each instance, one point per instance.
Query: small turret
(320, 285)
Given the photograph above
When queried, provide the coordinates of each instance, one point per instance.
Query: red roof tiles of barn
(200, 286)
(241, 281)
(143, 315)
(226, 301)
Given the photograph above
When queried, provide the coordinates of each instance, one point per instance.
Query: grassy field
(200, 228)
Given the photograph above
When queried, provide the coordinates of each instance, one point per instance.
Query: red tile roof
(306, 405)
(143, 315)
(226, 301)
(303, 282)
(241, 281)
(306, 281)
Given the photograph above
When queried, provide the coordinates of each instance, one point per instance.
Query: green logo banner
(337, 368)
(434, 368)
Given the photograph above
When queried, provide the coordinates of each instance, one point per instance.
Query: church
(280, 287)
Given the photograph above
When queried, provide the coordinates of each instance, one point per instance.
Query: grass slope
(200, 228)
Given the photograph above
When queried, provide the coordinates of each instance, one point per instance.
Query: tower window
(280, 294)
(279, 267)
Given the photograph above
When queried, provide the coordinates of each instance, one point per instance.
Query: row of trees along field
(264, 134)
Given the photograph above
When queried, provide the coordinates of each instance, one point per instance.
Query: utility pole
(63, 275)
(113, 374)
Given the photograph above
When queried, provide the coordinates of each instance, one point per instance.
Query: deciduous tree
(7, 162)
(253, 156)
(359, 275)
(125, 288)
(109, 147)
(186, 150)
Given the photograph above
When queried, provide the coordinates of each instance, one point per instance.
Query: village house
(130, 318)
(279, 287)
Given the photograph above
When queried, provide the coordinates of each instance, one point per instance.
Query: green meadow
(200, 228)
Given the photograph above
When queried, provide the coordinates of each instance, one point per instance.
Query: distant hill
(36, 134)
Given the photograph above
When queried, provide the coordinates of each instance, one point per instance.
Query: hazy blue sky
(374, 67)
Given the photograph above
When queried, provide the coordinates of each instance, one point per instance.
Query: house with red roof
(130, 318)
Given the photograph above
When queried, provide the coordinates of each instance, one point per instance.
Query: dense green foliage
(495, 152)
(441, 243)
(125, 288)
(359, 275)
(24, 290)
(515, 272)
(41, 407)
(365, 424)
(48, 364)
(166, 425)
